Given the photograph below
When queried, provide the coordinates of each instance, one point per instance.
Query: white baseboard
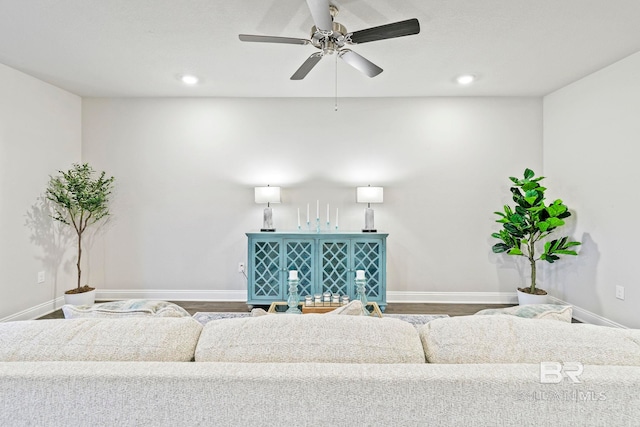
(580, 314)
(172, 295)
(37, 311)
(585, 316)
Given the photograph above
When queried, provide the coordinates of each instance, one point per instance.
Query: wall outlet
(620, 292)
(241, 267)
(40, 276)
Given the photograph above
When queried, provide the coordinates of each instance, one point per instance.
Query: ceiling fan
(332, 37)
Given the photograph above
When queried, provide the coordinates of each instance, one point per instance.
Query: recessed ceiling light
(189, 79)
(466, 79)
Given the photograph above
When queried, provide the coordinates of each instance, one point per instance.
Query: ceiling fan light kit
(331, 37)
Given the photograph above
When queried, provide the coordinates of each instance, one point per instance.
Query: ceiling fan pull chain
(336, 104)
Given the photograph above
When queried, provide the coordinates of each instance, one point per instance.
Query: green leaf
(564, 252)
(543, 226)
(513, 230)
(555, 222)
(555, 210)
(528, 173)
(515, 251)
(500, 247)
(516, 218)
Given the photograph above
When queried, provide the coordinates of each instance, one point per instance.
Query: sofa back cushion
(130, 339)
(510, 339)
(310, 338)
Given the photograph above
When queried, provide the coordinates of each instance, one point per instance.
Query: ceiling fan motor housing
(329, 43)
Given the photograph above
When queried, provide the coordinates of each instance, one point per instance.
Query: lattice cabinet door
(300, 255)
(369, 255)
(265, 270)
(335, 267)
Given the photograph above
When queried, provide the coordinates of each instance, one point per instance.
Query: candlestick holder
(361, 295)
(308, 226)
(328, 226)
(317, 225)
(294, 298)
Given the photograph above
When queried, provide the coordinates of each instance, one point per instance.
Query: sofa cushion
(310, 338)
(125, 308)
(535, 311)
(131, 339)
(511, 339)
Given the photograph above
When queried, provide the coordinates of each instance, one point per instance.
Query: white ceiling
(133, 48)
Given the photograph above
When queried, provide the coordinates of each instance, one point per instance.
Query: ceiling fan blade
(304, 69)
(389, 31)
(321, 15)
(272, 39)
(360, 63)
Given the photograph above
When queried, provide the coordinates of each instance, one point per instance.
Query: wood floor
(392, 308)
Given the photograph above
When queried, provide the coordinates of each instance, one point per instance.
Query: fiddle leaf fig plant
(80, 199)
(529, 223)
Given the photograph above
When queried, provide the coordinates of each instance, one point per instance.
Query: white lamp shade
(267, 194)
(369, 194)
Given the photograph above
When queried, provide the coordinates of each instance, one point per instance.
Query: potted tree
(80, 199)
(528, 224)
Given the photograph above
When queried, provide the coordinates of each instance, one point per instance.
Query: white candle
(359, 274)
(298, 217)
(307, 212)
(336, 217)
(328, 219)
(293, 275)
(318, 209)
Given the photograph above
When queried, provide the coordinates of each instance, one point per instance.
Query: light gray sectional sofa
(318, 370)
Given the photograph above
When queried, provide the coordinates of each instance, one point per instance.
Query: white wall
(185, 171)
(591, 151)
(39, 134)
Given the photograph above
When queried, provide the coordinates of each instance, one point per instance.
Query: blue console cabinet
(325, 261)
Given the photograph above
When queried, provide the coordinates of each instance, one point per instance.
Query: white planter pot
(85, 298)
(525, 298)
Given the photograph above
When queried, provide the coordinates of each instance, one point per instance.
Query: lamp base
(267, 222)
(368, 221)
